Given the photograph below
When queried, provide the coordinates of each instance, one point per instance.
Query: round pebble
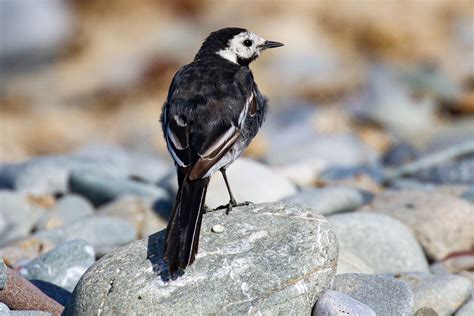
(218, 228)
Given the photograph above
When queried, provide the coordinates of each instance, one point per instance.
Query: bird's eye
(248, 43)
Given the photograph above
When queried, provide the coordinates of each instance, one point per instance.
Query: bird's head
(237, 45)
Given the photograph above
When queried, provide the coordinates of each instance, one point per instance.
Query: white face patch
(237, 47)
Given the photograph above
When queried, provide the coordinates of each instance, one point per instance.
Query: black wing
(201, 121)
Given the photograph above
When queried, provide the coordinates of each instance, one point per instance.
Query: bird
(212, 112)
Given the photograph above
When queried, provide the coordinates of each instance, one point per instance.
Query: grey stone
(103, 233)
(335, 150)
(3, 274)
(50, 174)
(381, 242)
(329, 200)
(444, 293)
(4, 309)
(469, 195)
(100, 188)
(452, 172)
(18, 214)
(36, 29)
(250, 181)
(333, 303)
(467, 309)
(350, 263)
(271, 258)
(62, 266)
(385, 295)
(399, 154)
(148, 216)
(68, 210)
(441, 222)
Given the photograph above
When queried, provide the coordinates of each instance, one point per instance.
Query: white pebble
(218, 228)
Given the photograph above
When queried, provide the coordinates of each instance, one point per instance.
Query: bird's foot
(206, 209)
(232, 203)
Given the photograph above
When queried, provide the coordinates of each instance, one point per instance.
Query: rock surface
(62, 266)
(271, 258)
(100, 188)
(467, 309)
(329, 200)
(3, 274)
(18, 215)
(145, 214)
(250, 181)
(68, 210)
(444, 293)
(350, 263)
(333, 303)
(103, 233)
(442, 223)
(385, 295)
(384, 244)
(21, 294)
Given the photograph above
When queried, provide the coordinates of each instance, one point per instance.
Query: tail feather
(182, 235)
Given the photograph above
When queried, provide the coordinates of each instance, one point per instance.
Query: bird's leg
(232, 202)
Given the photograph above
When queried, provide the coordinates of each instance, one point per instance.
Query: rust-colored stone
(21, 294)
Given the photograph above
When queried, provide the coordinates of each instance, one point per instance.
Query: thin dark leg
(232, 199)
(232, 203)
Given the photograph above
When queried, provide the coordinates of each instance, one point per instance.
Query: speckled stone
(272, 258)
(385, 295)
(17, 214)
(383, 243)
(444, 293)
(3, 274)
(20, 294)
(69, 209)
(441, 222)
(329, 200)
(103, 233)
(62, 266)
(333, 303)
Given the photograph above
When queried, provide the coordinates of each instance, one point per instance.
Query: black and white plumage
(212, 112)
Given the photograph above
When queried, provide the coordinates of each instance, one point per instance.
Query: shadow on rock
(154, 254)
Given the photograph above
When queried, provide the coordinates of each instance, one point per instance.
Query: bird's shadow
(155, 249)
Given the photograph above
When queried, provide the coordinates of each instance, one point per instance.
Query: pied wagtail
(212, 112)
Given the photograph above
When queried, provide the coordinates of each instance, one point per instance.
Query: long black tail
(182, 234)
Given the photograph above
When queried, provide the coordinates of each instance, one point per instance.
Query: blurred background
(371, 111)
(367, 74)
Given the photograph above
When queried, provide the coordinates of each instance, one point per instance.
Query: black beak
(272, 44)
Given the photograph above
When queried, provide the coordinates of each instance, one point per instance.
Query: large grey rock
(441, 222)
(444, 293)
(18, 215)
(250, 181)
(62, 266)
(3, 274)
(381, 242)
(100, 188)
(103, 233)
(68, 210)
(271, 258)
(467, 309)
(385, 295)
(333, 303)
(329, 200)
